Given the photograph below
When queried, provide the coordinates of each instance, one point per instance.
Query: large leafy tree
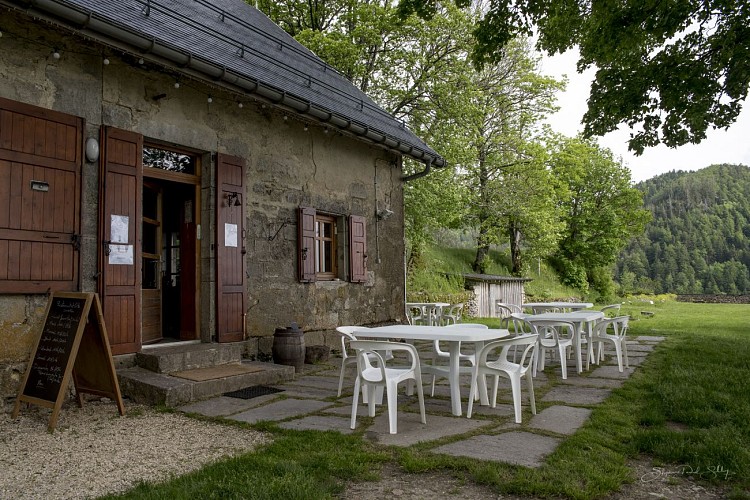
(600, 208)
(507, 184)
(670, 70)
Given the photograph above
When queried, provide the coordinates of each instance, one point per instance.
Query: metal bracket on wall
(284, 223)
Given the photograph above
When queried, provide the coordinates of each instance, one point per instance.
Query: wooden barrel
(289, 347)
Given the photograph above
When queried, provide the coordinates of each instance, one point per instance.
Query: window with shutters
(331, 247)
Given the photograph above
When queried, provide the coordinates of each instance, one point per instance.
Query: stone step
(148, 387)
(180, 356)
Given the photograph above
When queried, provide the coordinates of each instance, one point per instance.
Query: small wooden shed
(490, 289)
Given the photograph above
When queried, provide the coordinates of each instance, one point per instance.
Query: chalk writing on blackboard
(55, 344)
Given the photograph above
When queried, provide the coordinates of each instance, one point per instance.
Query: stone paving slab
(577, 395)
(223, 405)
(640, 348)
(612, 372)
(317, 381)
(306, 392)
(411, 430)
(560, 419)
(519, 448)
(280, 410)
(593, 382)
(319, 423)
(650, 338)
(362, 410)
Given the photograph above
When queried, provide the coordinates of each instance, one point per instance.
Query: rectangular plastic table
(453, 336)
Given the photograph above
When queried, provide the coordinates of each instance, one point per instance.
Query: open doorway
(169, 257)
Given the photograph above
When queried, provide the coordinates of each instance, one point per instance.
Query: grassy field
(686, 408)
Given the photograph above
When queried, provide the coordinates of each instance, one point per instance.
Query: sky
(721, 146)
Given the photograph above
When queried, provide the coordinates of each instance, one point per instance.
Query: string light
(55, 54)
(105, 61)
(177, 84)
(305, 127)
(240, 105)
(140, 61)
(286, 118)
(210, 99)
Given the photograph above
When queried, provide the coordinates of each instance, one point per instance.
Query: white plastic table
(579, 319)
(568, 306)
(433, 310)
(453, 336)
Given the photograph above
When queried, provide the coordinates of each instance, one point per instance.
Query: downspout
(417, 175)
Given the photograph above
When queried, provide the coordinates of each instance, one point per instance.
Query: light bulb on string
(55, 54)
(210, 99)
(177, 84)
(240, 105)
(105, 61)
(140, 61)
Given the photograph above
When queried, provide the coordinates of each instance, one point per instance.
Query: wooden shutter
(358, 248)
(230, 249)
(120, 196)
(306, 244)
(40, 199)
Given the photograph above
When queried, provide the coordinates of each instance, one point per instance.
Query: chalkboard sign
(55, 345)
(73, 341)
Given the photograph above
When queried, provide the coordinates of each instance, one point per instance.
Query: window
(323, 247)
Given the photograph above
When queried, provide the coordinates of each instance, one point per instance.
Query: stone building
(208, 176)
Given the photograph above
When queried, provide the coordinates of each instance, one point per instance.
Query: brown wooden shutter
(358, 248)
(306, 244)
(40, 186)
(120, 194)
(230, 249)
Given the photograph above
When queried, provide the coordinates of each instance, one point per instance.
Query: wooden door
(120, 235)
(40, 166)
(188, 269)
(230, 248)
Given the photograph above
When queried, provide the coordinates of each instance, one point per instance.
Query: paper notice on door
(230, 235)
(119, 231)
(121, 255)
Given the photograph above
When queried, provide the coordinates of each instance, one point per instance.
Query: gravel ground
(94, 451)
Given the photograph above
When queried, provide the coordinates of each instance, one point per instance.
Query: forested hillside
(699, 239)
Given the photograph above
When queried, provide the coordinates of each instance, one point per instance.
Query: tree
(600, 207)
(507, 183)
(669, 70)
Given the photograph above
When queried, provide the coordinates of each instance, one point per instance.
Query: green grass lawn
(687, 406)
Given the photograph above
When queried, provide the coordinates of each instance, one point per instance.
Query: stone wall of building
(288, 165)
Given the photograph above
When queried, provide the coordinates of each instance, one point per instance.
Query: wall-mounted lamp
(234, 199)
(384, 214)
(92, 149)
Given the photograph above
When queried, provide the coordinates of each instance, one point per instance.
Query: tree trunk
(515, 249)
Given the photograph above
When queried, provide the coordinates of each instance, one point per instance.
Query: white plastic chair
(505, 312)
(453, 315)
(346, 337)
(439, 353)
(611, 310)
(557, 335)
(502, 366)
(346, 359)
(618, 337)
(415, 315)
(372, 372)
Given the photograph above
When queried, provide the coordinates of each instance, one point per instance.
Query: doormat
(252, 392)
(214, 372)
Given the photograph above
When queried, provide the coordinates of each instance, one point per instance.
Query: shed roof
(231, 43)
(493, 278)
